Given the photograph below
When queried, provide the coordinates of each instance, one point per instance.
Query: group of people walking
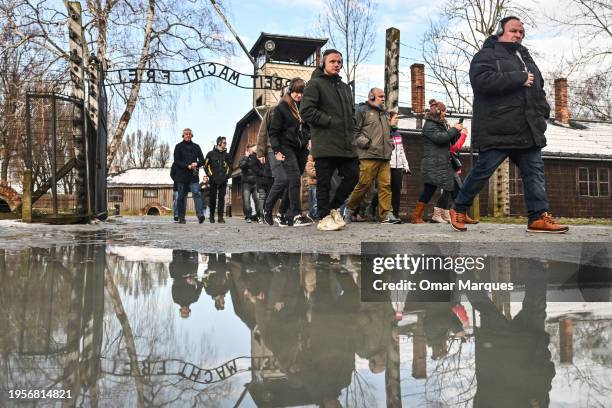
(353, 158)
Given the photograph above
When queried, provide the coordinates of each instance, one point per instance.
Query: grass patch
(562, 220)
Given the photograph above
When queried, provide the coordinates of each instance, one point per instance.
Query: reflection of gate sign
(191, 74)
(190, 371)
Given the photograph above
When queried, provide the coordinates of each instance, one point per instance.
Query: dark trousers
(250, 190)
(531, 166)
(445, 197)
(287, 177)
(348, 170)
(217, 190)
(397, 177)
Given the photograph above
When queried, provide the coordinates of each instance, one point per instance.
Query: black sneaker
(182, 221)
(221, 220)
(176, 218)
(201, 219)
(211, 219)
(268, 219)
(302, 221)
(283, 222)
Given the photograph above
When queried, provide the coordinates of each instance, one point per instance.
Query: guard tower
(285, 57)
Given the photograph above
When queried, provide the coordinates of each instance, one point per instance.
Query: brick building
(577, 160)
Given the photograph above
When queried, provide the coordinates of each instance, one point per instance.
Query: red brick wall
(562, 191)
(561, 186)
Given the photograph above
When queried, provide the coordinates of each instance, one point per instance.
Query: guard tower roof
(288, 48)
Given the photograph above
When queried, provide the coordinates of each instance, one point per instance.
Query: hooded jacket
(373, 133)
(218, 166)
(506, 113)
(436, 168)
(327, 107)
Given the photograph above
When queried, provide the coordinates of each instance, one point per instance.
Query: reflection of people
(513, 363)
(374, 324)
(326, 362)
(216, 282)
(439, 319)
(510, 112)
(186, 289)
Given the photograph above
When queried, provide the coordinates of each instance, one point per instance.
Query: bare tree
(350, 26)
(128, 34)
(139, 150)
(163, 155)
(456, 36)
(590, 22)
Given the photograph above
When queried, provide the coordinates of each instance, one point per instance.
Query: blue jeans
(531, 166)
(174, 202)
(181, 201)
(312, 202)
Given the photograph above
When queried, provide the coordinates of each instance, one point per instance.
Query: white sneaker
(328, 224)
(337, 218)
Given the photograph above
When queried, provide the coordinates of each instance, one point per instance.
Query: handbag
(455, 162)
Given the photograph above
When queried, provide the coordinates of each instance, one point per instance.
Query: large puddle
(115, 326)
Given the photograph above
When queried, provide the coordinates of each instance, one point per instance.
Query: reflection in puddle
(131, 326)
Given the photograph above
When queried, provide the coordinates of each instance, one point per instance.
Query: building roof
(592, 142)
(288, 48)
(152, 177)
(255, 113)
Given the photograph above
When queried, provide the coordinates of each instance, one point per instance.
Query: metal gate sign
(194, 73)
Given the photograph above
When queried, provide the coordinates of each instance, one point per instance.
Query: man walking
(510, 112)
(188, 158)
(374, 147)
(218, 168)
(327, 107)
(250, 168)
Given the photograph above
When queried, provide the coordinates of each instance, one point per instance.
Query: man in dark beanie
(510, 112)
(188, 158)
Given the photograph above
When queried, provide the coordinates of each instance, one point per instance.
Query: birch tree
(128, 34)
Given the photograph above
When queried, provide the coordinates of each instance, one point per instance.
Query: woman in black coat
(436, 168)
(288, 139)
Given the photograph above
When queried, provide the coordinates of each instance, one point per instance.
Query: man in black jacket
(250, 168)
(218, 167)
(510, 112)
(188, 158)
(327, 106)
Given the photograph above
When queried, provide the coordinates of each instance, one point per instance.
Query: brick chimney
(417, 81)
(561, 102)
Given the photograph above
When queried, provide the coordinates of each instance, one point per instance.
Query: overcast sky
(211, 107)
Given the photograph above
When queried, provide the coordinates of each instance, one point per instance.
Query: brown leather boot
(417, 215)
